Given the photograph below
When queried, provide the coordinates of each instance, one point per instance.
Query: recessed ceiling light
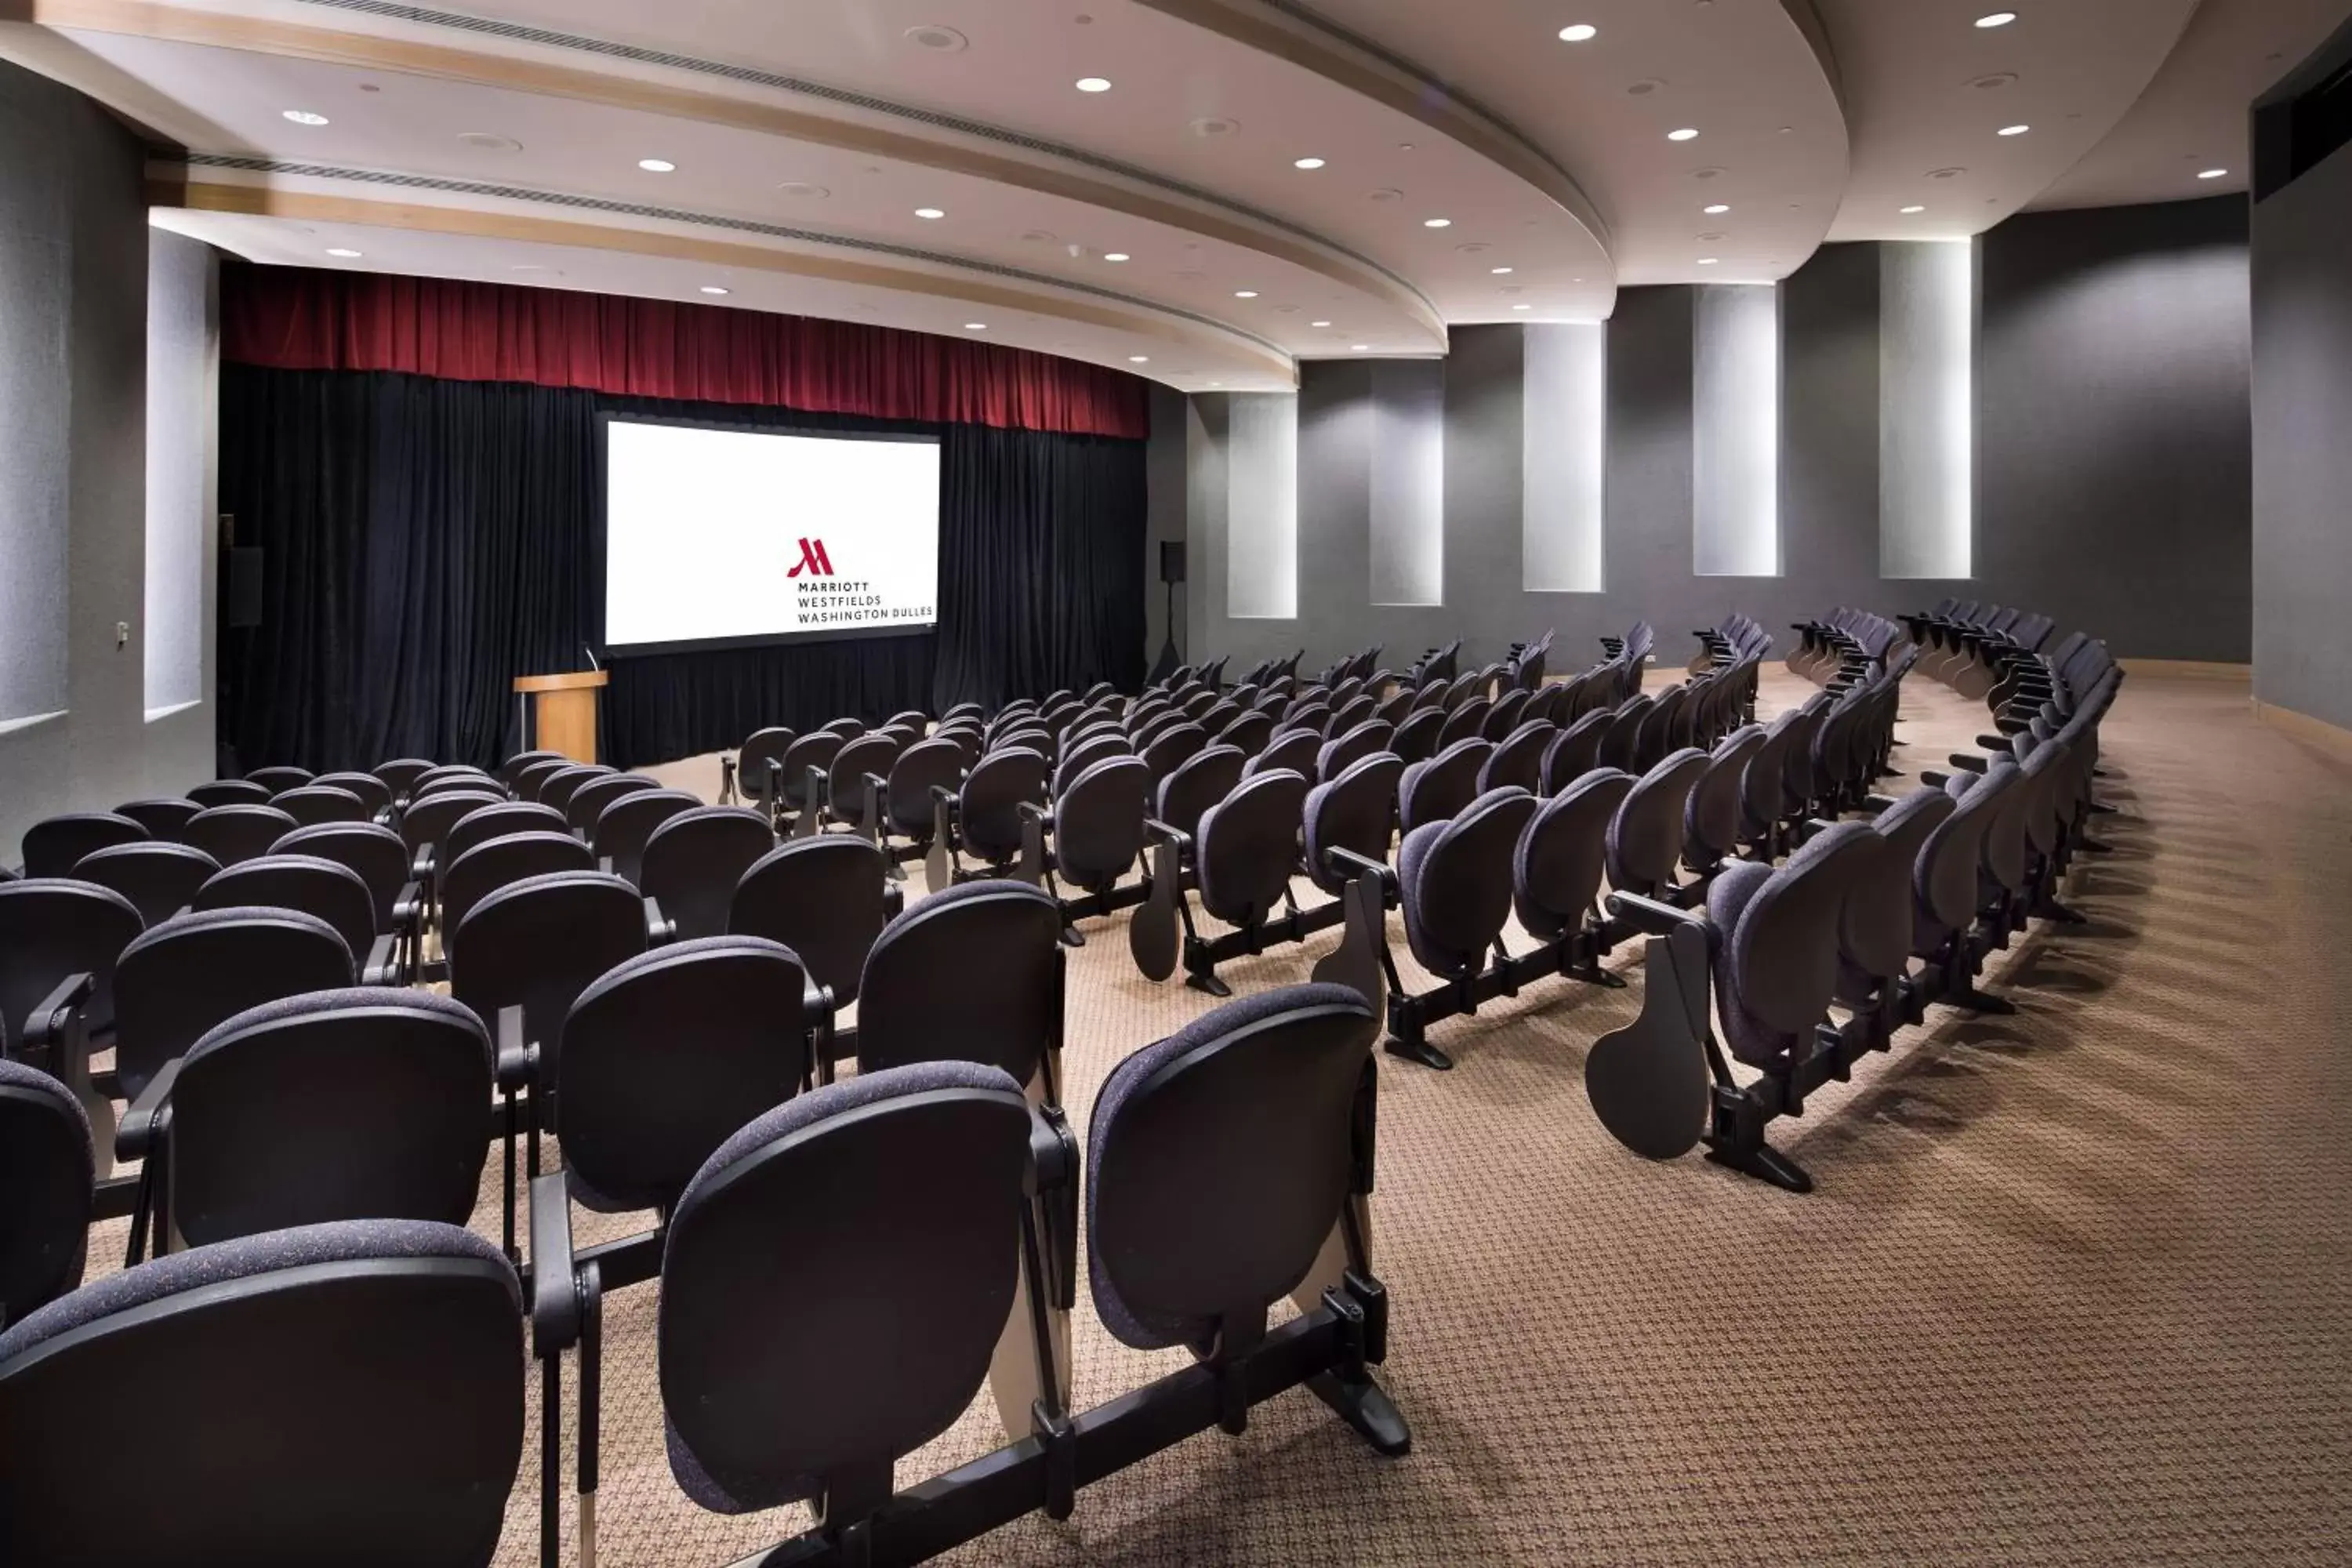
(344, 252)
(1707, 261)
(2211, 173)
(488, 142)
(304, 117)
(1997, 19)
(1523, 307)
(1685, 134)
(803, 188)
(1437, 222)
(1716, 207)
(1318, 323)
(944, 41)
(1139, 359)
(1216, 383)
(1362, 348)
(930, 212)
(975, 326)
(2015, 130)
(1094, 84)
(657, 165)
(1115, 256)
(1578, 33)
(715, 289)
(1306, 162)
(1908, 211)
(1500, 271)
(1244, 293)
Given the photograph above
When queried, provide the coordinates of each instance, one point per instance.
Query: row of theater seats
(1812, 963)
(348, 1385)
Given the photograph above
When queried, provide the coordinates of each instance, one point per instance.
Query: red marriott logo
(814, 559)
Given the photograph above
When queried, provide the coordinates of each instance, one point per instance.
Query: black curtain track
(426, 541)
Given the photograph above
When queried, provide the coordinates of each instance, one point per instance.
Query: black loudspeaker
(1171, 561)
(241, 585)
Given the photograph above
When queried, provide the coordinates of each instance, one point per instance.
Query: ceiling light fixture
(1115, 256)
(1578, 33)
(1500, 271)
(1908, 211)
(1997, 19)
(1523, 307)
(1318, 323)
(1139, 359)
(975, 326)
(343, 251)
(657, 165)
(2211, 173)
(1437, 222)
(929, 213)
(1685, 134)
(304, 117)
(2015, 130)
(1094, 84)
(1361, 348)
(1714, 207)
(713, 289)
(1244, 293)
(1306, 162)
(1707, 261)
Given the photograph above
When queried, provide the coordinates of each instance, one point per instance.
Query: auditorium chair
(983, 817)
(310, 805)
(48, 1183)
(1243, 856)
(533, 776)
(1503, 716)
(1084, 750)
(461, 781)
(800, 774)
(1574, 751)
(159, 879)
(906, 810)
(161, 818)
(1201, 781)
(55, 844)
(1878, 928)
(357, 1104)
(692, 863)
(1712, 817)
(230, 791)
(826, 900)
(556, 789)
(1441, 787)
(484, 823)
(59, 939)
(628, 821)
(1453, 875)
(973, 972)
(1350, 744)
(848, 728)
(349, 1393)
(1516, 761)
(588, 802)
(382, 862)
(400, 776)
(279, 779)
(510, 771)
(314, 886)
(374, 794)
(233, 833)
(1290, 750)
(854, 787)
(1621, 745)
(495, 863)
(424, 823)
(1096, 834)
(1647, 836)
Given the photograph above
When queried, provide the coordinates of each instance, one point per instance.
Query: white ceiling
(807, 134)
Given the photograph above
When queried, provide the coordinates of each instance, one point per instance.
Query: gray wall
(73, 322)
(2113, 460)
(2303, 443)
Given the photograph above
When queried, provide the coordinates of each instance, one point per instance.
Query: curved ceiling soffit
(1816, 34)
(1304, 38)
(1112, 185)
(1115, 312)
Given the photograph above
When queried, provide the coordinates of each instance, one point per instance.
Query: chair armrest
(146, 1122)
(1032, 812)
(1994, 743)
(51, 1023)
(894, 901)
(1875, 804)
(1968, 762)
(1349, 860)
(1054, 1182)
(408, 907)
(421, 869)
(659, 931)
(1650, 915)
(1934, 780)
(518, 1059)
(555, 1303)
(1168, 834)
(383, 966)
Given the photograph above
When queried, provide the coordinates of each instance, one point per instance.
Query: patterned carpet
(2075, 1287)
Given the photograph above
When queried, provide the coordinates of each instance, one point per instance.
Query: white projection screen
(734, 536)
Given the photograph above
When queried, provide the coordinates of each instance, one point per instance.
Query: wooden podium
(564, 716)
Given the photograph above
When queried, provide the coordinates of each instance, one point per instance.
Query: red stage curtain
(288, 317)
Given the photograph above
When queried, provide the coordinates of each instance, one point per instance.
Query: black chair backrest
(1620, 742)
(1576, 751)
(1506, 715)
(233, 833)
(161, 879)
(400, 774)
(557, 788)
(972, 974)
(1877, 924)
(278, 780)
(1220, 1158)
(1645, 840)
(1168, 750)
(369, 849)
(1440, 788)
(1711, 820)
(56, 845)
(1247, 849)
(770, 1385)
(1249, 735)
(1292, 751)
(372, 791)
(1349, 746)
(1465, 723)
(588, 802)
(1200, 782)
(1456, 876)
(667, 1055)
(511, 769)
(875, 753)
(52, 928)
(176, 981)
(989, 808)
(1098, 821)
(499, 862)
(1776, 963)
(693, 861)
(532, 775)
(1355, 812)
(624, 824)
(161, 818)
(230, 791)
(814, 750)
(1077, 759)
(752, 759)
(48, 1174)
(1416, 735)
(537, 944)
(1556, 869)
(824, 899)
(921, 768)
(314, 804)
(484, 823)
(306, 883)
(241, 1361)
(358, 1104)
(429, 818)
(457, 781)
(1518, 758)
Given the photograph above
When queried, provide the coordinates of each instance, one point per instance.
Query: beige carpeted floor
(2075, 1287)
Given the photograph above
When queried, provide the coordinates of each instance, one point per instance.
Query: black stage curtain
(426, 541)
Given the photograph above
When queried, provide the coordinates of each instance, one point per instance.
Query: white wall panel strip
(1262, 506)
(1735, 438)
(1564, 433)
(180, 436)
(1927, 410)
